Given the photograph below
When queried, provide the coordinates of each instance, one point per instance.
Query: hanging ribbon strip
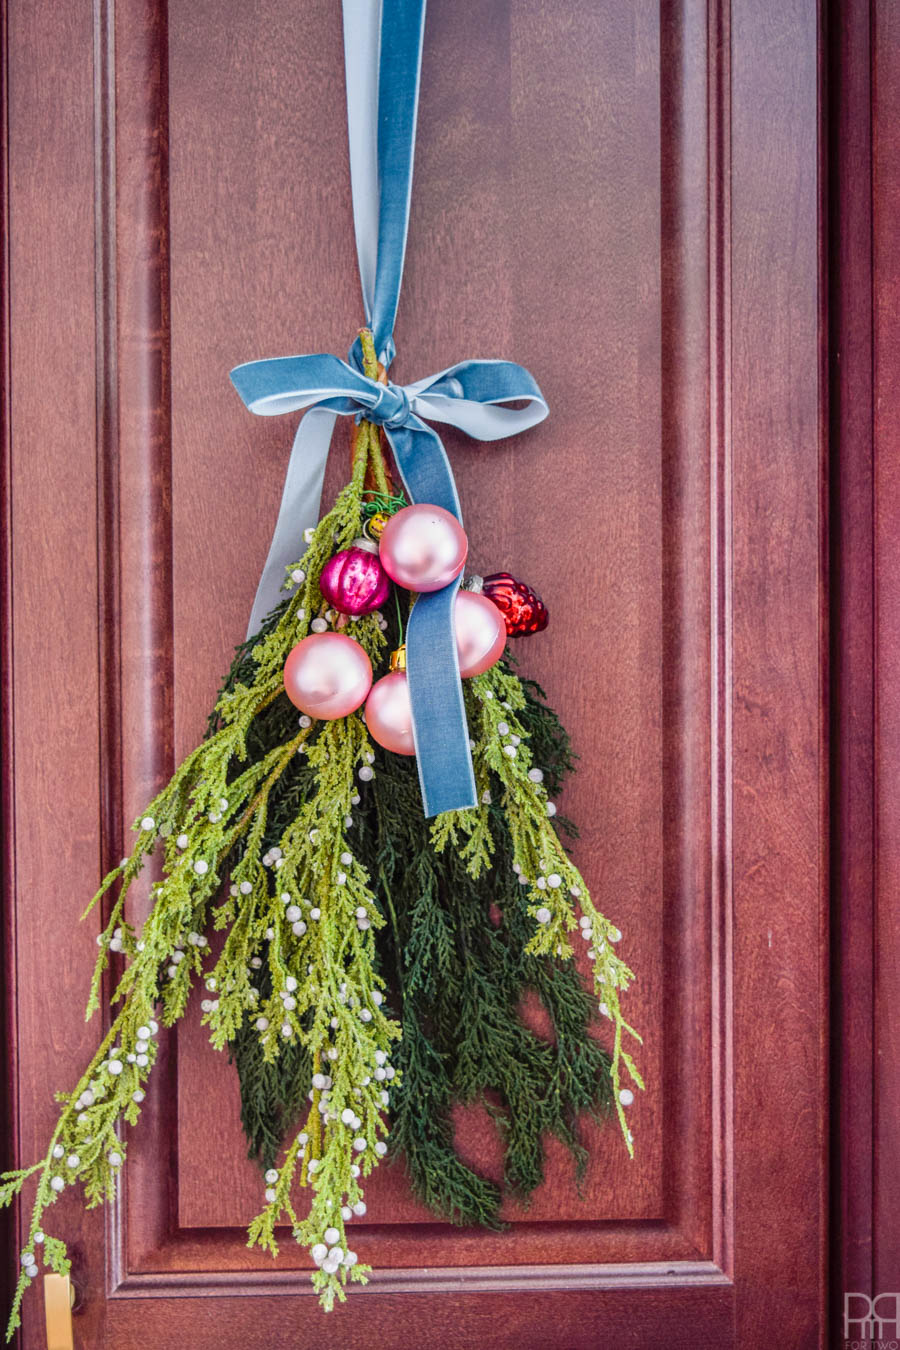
(383, 54)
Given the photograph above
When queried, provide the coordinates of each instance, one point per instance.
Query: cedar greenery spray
(374, 962)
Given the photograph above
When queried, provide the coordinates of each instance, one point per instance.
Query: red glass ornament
(523, 609)
(354, 581)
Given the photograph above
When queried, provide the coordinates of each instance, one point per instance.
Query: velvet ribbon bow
(383, 50)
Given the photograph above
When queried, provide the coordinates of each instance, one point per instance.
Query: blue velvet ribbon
(383, 51)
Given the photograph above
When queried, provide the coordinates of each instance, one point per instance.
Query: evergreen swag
(375, 962)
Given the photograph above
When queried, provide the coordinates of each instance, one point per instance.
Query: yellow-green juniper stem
(336, 1006)
(199, 817)
(372, 432)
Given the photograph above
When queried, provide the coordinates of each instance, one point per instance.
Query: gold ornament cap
(375, 524)
(398, 658)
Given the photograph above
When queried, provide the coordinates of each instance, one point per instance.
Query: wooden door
(625, 198)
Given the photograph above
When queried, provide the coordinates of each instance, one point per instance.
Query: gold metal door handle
(59, 1296)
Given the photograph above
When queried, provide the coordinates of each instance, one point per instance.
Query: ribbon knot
(391, 409)
(383, 50)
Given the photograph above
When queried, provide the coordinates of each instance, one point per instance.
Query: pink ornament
(480, 633)
(327, 675)
(389, 715)
(423, 547)
(354, 581)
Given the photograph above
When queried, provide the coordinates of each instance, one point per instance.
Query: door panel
(576, 260)
(599, 196)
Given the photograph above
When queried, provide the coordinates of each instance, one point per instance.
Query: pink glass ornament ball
(389, 715)
(354, 581)
(327, 675)
(480, 633)
(423, 547)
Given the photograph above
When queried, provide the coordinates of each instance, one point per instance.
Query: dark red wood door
(624, 199)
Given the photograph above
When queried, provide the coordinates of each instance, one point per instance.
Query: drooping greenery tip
(352, 924)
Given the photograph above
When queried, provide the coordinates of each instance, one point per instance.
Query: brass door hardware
(59, 1297)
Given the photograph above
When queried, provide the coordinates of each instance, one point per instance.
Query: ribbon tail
(440, 729)
(362, 30)
(424, 467)
(400, 65)
(300, 502)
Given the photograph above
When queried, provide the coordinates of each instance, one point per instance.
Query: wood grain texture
(778, 640)
(865, 500)
(854, 852)
(682, 1320)
(146, 760)
(599, 196)
(54, 687)
(885, 402)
